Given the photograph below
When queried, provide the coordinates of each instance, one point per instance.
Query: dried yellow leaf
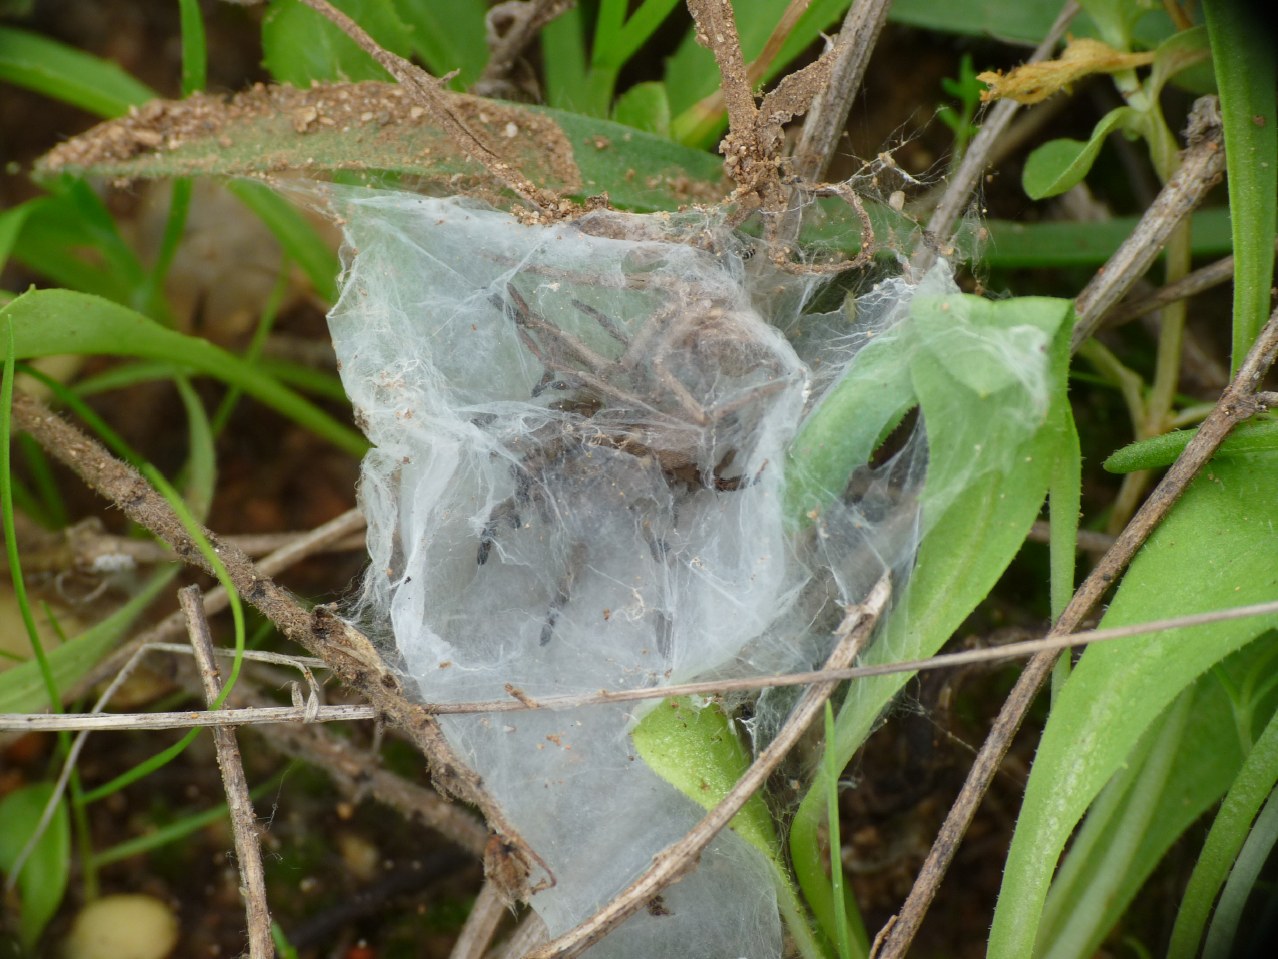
(1035, 82)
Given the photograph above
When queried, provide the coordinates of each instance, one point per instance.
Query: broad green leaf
(1218, 539)
(373, 128)
(1058, 165)
(43, 879)
(645, 106)
(1180, 52)
(448, 36)
(696, 749)
(1245, 75)
(49, 322)
(1146, 808)
(993, 444)
(1254, 436)
(300, 46)
(1011, 245)
(1248, 791)
(1025, 22)
(64, 73)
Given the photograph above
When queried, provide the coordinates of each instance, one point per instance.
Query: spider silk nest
(578, 482)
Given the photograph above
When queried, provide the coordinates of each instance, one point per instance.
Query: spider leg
(507, 512)
(563, 593)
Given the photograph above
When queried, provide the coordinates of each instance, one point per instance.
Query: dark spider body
(634, 436)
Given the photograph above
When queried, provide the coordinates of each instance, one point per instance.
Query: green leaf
(695, 748)
(63, 73)
(49, 322)
(374, 129)
(300, 46)
(1058, 165)
(645, 106)
(11, 223)
(1248, 791)
(1254, 436)
(1245, 75)
(1179, 769)
(1218, 539)
(43, 879)
(448, 36)
(993, 444)
(1025, 22)
(1011, 245)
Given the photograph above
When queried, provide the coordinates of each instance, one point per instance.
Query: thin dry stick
(358, 773)
(429, 92)
(1237, 403)
(828, 115)
(1201, 165)
(346, 651)
(262, 714)
(1199, 281)
(248, 850)
(681, 857)
(959, 191)
(481, 923)
(215, 600)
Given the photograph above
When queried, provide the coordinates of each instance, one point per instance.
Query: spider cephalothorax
(641, 418)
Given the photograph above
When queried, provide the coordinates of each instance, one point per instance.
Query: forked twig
(678, 859)
(248, 849)
(1238, 402)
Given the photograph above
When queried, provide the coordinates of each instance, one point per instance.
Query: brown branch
(1200, 168)
(248, 848)
(511, 27)
(681, 857)
(346, 651)
(828, 115)
(1237, 403)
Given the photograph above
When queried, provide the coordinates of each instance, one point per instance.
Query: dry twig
(1200, 168)
(346, 651)
(1239, 401)
(248, 850)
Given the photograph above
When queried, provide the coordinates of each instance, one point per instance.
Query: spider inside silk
(577, 483)
(651, 416)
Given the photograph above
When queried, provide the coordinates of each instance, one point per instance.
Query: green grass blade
(1248, 791)
(195, 54)
(1243, 878)
(297, 237)
(54, 701)
(1244, 62)
(1216, 538)
(49, 322)
(63, 73)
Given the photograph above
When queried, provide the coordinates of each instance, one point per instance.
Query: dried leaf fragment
(1035, 82)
